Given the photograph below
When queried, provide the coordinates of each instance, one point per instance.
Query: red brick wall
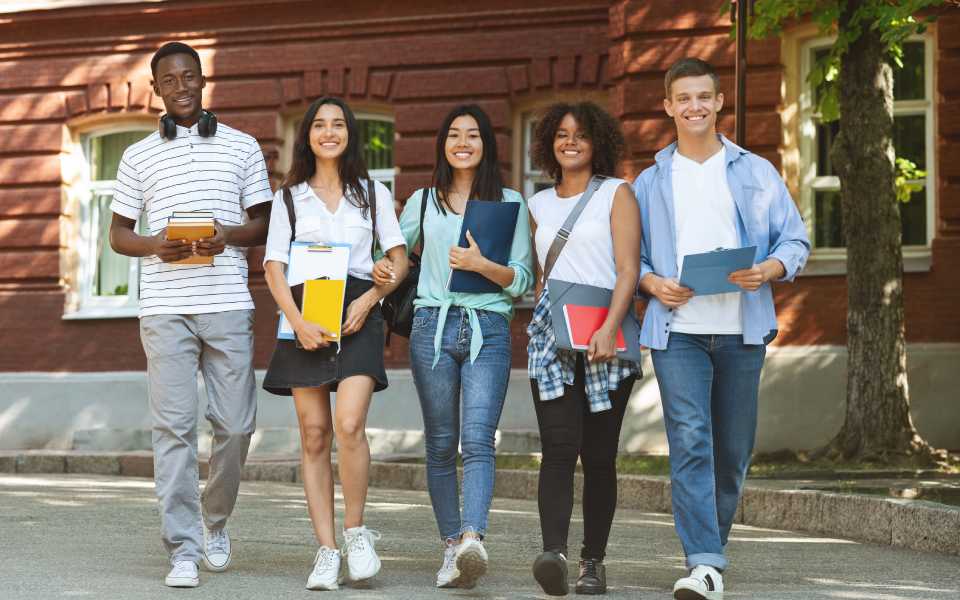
(646, 37)
(418, 59)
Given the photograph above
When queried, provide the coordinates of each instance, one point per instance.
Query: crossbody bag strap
(372, 198)
(291, 214)
(564, 232)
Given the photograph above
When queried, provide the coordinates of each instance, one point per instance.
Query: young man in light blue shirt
(705, 192)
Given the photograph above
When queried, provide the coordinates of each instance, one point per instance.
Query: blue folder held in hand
(492, 225)
(707, 273)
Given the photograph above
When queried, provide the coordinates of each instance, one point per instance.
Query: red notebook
(584, 321)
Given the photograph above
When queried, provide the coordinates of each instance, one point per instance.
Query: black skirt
(360, 354)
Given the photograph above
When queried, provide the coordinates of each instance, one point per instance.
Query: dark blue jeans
(708, 387)
(479, 388)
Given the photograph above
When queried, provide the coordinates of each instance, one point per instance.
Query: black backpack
(398, 306)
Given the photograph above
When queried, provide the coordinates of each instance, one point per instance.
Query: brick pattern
(646, 37)
(440, 55)
(419, 59)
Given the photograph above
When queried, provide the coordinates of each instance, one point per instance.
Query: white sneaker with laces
(471, 562)
(362, 560)
(183, 574)
(326, 569)
(703, 583)
(216, 550)
(448, 570)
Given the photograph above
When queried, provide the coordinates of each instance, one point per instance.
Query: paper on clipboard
(311, 260)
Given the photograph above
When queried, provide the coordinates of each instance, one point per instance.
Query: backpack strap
(423, 211)
(291, 214)
(372, 199)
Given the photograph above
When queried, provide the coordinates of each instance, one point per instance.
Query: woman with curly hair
(580, 398)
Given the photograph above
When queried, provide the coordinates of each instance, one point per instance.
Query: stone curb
(913, 524)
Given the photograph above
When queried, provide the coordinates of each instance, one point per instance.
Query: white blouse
(347, 225)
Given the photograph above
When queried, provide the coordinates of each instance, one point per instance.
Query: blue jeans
(708, 387)
(483, 385)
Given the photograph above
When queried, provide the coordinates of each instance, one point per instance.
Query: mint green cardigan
(442, 233)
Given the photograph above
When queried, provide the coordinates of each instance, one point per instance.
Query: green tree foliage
(895, 19)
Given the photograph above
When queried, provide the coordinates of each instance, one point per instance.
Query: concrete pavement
(88, 536)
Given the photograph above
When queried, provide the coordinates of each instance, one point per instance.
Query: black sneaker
(593, 577)
(550, 571)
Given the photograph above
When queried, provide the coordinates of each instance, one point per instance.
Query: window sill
(102, 312)
(834, 262)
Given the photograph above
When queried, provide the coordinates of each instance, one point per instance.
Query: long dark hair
(488, 182)
(351, 166)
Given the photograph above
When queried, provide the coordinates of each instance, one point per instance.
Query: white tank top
(588, 255)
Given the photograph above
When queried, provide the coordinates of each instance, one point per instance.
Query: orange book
(192, 230)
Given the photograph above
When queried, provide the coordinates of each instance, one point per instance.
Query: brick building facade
(74, 70)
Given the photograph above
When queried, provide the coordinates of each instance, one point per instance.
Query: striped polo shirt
(224, 173)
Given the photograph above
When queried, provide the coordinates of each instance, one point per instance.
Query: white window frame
(384, 176)
(531, 175)
(831, 261)
(90, 306)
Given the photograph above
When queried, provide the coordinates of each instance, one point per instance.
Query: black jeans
(569, 430)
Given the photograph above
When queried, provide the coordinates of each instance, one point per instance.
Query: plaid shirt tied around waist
(553, 367)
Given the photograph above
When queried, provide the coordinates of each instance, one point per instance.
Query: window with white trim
(106, 282)
(377, 134)
(534, 179)
(913, 140)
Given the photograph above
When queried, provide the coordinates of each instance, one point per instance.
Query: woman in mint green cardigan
(460, 342)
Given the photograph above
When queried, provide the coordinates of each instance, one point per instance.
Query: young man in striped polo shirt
(194, 317)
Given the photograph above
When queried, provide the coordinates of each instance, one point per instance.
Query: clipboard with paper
(317, 276)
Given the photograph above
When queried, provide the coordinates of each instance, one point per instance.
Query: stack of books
(191, 226)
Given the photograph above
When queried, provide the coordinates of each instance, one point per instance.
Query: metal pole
(740, 72)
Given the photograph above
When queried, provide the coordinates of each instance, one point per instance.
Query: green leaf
(906, 172)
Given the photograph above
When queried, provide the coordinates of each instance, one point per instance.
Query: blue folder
(707, 273)
(492, 225)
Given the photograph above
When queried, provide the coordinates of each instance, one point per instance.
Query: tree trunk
(877, 424)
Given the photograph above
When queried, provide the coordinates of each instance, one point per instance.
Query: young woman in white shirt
(580, 398)
(329, 183)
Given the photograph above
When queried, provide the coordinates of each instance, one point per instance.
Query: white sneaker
(471, 562)
(703, 583)
(362, 560)
(216, 550)
(326, 568)
(448, 570)
(183, 574)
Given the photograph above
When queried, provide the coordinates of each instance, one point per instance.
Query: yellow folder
(323, 304)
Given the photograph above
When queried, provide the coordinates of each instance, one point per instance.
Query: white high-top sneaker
(448, 570)
(183, 574)
(703, 583)
(471, 562)
(362, 560)
(326, 569)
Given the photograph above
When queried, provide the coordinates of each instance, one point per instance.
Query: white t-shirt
(347, 225)
(706, 219)
(588, 255)
(224, 173)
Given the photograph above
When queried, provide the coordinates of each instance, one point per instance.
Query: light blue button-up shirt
(766, 217)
